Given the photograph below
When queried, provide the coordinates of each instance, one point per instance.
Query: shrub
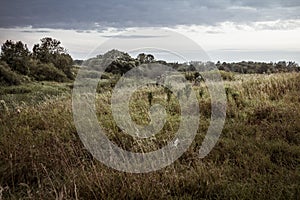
(8, 77)
(227, 76)
(47, 72)
(64, 63)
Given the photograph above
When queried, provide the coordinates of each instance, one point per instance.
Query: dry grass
(257, 156)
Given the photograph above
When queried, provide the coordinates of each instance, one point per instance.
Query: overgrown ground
(256, 157)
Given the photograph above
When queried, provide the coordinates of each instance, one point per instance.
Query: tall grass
(257, 155)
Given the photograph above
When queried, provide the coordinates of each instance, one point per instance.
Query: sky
(227, 30)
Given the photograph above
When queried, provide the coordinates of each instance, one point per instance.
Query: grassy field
(256, 157)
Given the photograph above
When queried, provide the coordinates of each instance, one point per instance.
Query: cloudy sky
(228, 30)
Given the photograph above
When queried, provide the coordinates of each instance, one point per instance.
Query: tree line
(123, 62)
(48, 61)
(251, 67)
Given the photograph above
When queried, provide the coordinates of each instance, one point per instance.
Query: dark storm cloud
(34, 31)
(98, 14)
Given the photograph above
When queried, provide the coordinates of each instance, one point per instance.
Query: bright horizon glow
(260, 41)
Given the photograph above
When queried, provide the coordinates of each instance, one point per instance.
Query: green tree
(64, 63)
(16, 55)
(145, 58)
(141, 57)
(149, 58)
(48, 50)
(51, 51)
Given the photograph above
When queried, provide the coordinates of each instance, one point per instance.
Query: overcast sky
(227, 29)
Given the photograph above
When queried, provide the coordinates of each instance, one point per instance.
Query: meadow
(256, 157)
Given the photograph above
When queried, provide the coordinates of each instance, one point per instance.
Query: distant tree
(119, 67)
(16, 55)
(281, 64)
(149, 58)
(142, 57)
(292, 64)
(145, 58)
(77, 62)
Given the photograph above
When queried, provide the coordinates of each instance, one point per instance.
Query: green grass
(256, 157)
(32, 93)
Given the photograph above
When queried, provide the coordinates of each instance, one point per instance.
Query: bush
(64, 63)
(227, 76)
(8, 77)
(47, 72)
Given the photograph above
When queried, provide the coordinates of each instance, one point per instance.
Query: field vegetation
(257, 155)
(41, 156)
